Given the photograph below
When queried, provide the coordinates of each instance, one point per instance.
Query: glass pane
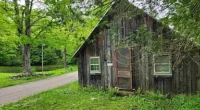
(97, 68)
(162, 59)
(162, 68)
(94, 60)
(94, 67)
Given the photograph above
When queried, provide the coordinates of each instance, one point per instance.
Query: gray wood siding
(185, 76)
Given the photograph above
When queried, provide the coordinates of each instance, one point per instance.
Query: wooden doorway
(123, 68)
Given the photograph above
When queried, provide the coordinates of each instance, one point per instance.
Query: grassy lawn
(72, 97)
(6, 81)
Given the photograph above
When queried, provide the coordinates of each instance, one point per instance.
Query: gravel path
(18, 92)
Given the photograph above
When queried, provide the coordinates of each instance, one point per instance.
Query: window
(94, 65)
(162, 64)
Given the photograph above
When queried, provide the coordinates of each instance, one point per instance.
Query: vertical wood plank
(168, 85)
(87, 69)
(155, 84)
(185, 77)
(112, 58)
(147, 71)
(173, 77)
(143, 75)
(159, 85)
(151, 72)
(162, 85)
(80, 68)
(103, 73)
(194, 71)
(177, 80)
(138, 69)
(198, 80)
(109, 59)
(165, 85)
(105, 59)
(181, 78)
(133, 69)
(189, 78)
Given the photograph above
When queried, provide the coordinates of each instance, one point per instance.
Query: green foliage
(48, 67)
(60, 25)
(33, 70)
(72, 96)
(10, 69)
(8, 39)
(183, 16)
(49, 55)
(186, 102)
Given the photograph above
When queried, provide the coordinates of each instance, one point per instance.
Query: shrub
(10, 69)
(33, 70)
(48, 68)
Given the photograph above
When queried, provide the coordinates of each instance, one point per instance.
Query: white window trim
(95, 71)
(163, 73)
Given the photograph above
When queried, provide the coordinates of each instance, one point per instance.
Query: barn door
(123, 68)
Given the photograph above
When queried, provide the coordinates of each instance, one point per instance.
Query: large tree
(32, 23)
(8, 38)
(25, 20)
(73, 25)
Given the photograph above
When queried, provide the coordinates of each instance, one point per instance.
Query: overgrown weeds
(74, 97)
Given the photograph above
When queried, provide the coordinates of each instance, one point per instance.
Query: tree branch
(43, 29)
(31, 6)
(17, 20)
(37, 20)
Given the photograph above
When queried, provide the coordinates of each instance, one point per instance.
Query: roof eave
(82, 46)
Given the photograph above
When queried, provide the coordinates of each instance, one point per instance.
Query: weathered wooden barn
(107, 60)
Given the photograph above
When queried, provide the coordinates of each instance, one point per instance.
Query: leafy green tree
(9, 54)
(70, 28)
(30, 25)
(50, 55)
(61, 24)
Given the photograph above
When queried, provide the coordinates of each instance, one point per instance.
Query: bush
(33, 70)
(48, 68)
(10, 69)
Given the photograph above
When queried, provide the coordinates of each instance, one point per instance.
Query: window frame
(95, 71)
(169, 63)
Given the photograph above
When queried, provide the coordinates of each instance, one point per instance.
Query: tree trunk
(27, 47)
(26, 58)
(65, 58)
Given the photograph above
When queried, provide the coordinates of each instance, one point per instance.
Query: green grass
(6, 81)
(72, 97)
